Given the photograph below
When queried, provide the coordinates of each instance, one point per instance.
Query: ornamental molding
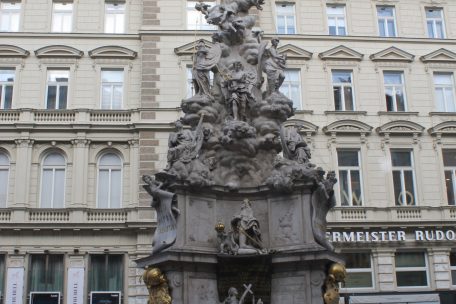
(189, 48)
(400, 127)
(444, 128)
(294, 53)
(304, 127)
(347, 126)
(441, 56)
(341, 52)
(12, 51)
(112, 51)
(59, 51)
(392, 54)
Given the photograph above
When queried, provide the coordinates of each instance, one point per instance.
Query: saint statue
(239, 86)
(247, 229)
(274, 66)
(204, 60)
(294, 147)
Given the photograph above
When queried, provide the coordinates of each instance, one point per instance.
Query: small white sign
(15, 285)
(75, 287)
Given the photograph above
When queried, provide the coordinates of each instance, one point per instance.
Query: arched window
(4, 173)
(109, 181)
(53, 181)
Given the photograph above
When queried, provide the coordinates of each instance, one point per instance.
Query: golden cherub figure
(157, 285)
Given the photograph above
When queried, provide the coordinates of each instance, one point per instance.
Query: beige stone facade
(153, 54)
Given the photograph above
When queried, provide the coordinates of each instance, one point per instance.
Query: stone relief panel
(200, 221)
(202, 291)
(290, 288)
(286, 221)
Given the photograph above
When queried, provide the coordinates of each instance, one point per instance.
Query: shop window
(453, 267)
(112, 83)
(359, 270)
(449, 162)
(46, 273)
(291, 87)
(10, 14)
(286, 20)
(195, 19)
(411, 269)
(106, 272)
(434, 22)
(53, 181)
(349, 177)
(57, 89)
(403, 178)
(109, 181)
(336, 20)
(394, 91)
(114, 17)
(386, 21)
(343, 90)
(62, 16)
(444, 92)
(4, 179)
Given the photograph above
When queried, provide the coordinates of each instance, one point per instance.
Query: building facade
(89, 93)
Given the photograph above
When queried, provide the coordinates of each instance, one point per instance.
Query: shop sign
(391, 236)
(75, 287)
(15, 285)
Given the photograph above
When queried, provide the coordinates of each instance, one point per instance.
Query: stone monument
(237, 222)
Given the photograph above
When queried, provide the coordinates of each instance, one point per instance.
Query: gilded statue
(157, 285)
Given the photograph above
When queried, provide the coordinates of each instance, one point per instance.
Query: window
(359, 269)
(10, 13)
(343, 90)
(349, 178)
(444, 92)
(449, 162)
(190, 88)
(291, 87)
(403, 178)
(106, 272)
(4, 178)
(286, 23)
(109, 181)
(336, 20)
(114, 17)
(57, 89)
(53, 181)
(453, 267)
(386, 21)
(6, 88)
(2, 276)
(112, 88)
(411, 269)
(195, 19)
(46, 272)
(434, 22)
(394, 91)
(62, 17)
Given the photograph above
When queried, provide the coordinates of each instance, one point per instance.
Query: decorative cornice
(444, 128)
(189, 48)
(441, 55)
(392, 54)
(295, 53)
(347, 126)
(302, 126)
(10, 51)
(341, 52)
(61, 51)
(400, 127)
(112, 51)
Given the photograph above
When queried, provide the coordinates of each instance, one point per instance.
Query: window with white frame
(46, 273)
(434, 22)
(4, 179)
(53, 181)
(109, 181)
(449, 163)
(190, 84)
(195, 19)
(403, 177)
(112, 83)
(336, 20)
(10, 14)
(291, 87)
(351, 193)
(453, 267)
(394, 91)
(386, 21)
(360, 272)
(342, 81)
(286, 20)
(411, 269)
(114, 17)
(57, 89)
(62, 16)
(444, 92)
(6, 87)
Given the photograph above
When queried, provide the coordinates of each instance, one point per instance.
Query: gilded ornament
(157, 285)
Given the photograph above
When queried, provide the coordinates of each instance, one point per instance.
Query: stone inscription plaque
(235, 271)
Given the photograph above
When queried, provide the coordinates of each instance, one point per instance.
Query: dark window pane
(401, 158)
(453, 277)
(453, 258)
(106, 273)
(397, 187)
(337, 98)
(409, 188)
(348, 94)
(411, 278)
(357, 260)
(389, 99)
(358, 280)
(449, 158)
(63, 93)
(8, 97)
(356, 188)
(51, 97)
(347, 158)
(344, 189)
(400, 100)
(46, 272)
(2, 273)
(449, 187)
(410, 259)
